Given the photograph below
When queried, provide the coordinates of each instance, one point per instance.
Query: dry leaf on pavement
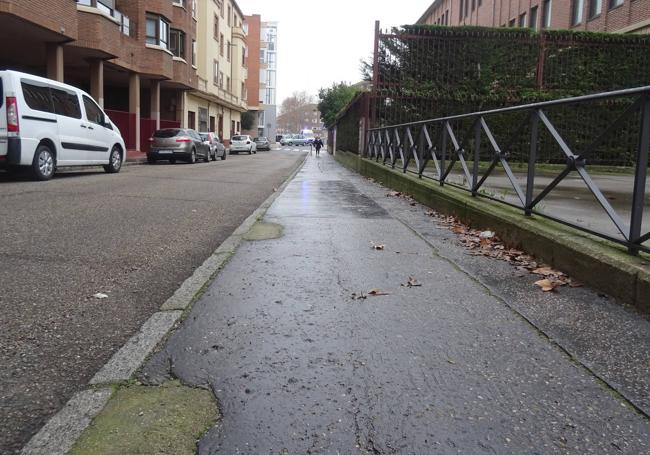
(377, 292)
(547, 285)
(412, 283)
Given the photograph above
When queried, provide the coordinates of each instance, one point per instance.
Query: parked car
(174, 144)
(217, 149)
(262, 143)
(46, 124)
(242, 144)
(284, 139)
(298, 139)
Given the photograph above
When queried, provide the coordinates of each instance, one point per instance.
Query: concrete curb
(63, 430)
(584, 257)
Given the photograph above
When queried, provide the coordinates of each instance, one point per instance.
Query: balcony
(106, 8)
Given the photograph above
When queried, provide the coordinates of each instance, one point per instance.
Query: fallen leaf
(377, 292)
(394, 194)
(546, 285)
(412, 283)
(100, 296)
(360, 296)
(544, 271)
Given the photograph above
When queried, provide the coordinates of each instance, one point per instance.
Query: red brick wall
(253, 62)
(495, 13)
(58, 16)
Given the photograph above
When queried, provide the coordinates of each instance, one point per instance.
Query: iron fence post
(532, 159)
(477, 155)
(641, 173)
(443, 154)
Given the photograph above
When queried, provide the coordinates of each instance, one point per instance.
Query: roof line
(429, 10)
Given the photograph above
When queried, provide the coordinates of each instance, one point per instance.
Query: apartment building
(268, 88)
(131, 55)
(620, 16)
(220, 59)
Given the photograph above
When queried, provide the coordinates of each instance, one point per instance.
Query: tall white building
(267, 118)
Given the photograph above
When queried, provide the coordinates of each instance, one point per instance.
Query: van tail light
(12, 115)
(183, 139)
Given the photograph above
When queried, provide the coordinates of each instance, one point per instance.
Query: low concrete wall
(602, 265)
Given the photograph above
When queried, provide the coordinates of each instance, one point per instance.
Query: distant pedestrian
(318, 144)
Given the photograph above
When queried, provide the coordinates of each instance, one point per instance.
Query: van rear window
(38, 97)
(170, 132)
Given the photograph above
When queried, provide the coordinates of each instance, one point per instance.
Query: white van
(45, 124)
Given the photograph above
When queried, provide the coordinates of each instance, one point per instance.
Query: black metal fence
(471, 143)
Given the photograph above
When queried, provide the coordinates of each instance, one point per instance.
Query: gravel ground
(135, 236)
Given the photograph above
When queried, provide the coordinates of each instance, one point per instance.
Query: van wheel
(115, 163)
(43, 163)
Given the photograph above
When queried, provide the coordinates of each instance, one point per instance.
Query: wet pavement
(299, 366)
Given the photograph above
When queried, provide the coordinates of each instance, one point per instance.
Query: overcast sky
(321, 41)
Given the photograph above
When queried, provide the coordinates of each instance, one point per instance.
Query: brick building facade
(138, 58)
(622, 16)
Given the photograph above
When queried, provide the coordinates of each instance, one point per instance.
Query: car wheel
(206, 158)
(250, 151)
(43, 163)
(115, 164)
(214, 156)
(193, 157)
(223, 157)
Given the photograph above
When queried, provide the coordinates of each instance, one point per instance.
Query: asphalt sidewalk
(300, 364)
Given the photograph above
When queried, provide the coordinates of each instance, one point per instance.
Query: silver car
(177, 144)
(242, 143)
(217, 149)
(262, 143)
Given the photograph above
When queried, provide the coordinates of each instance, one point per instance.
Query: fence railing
(469, 141)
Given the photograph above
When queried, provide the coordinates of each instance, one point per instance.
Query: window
(93, 112)
(157, 30)
(533, 18)
(229, 16)
(38, 97)
(262, 55)
(228, 51)
(522, 20)
(244, 54)
(215, 72)
(221, 44)
(447, 17)
(177, 43)
(473, 5)
(615, 3)
(512, 23)
(194, 52)
(216, 27)
(462, 3)
(179, 3)
(191, 119)
(466, 8)
(546, 14)
(576, 11)
(228, 86)
(595, 8)
(221, 79)
(66, 103)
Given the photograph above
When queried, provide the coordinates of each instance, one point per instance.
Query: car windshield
(240, 138)
(170, 132)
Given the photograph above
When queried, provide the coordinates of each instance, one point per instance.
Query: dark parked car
(177, 144)
(217, 149)
(262, 143)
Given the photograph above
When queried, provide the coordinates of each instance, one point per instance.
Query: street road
(135, 236)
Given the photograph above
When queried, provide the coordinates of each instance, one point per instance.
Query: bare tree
(292, 110)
